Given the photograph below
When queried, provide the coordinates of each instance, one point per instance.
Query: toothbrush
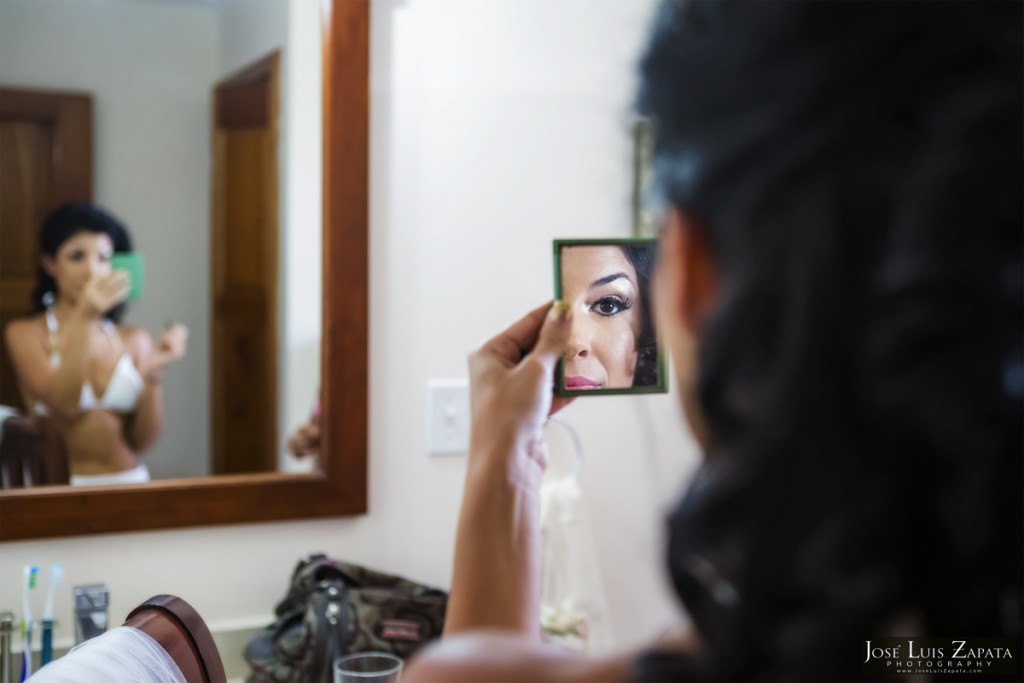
(56, 575)
(31, 572)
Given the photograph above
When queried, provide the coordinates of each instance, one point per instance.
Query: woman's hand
(512, 380)
(102, 294)
(511, 395)
(170, 347)
(306, 440)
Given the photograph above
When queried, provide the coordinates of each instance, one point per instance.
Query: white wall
(149, 67)
(249, 30)
(302, 217)
(496, 126)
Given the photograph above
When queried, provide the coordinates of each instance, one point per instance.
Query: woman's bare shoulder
(20, 330)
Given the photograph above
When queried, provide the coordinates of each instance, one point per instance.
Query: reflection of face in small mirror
(613, 347)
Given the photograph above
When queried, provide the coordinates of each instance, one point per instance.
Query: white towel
(121, 655)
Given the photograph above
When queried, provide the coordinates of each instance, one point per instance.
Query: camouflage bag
(334, 608)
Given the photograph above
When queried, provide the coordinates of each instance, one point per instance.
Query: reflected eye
(75, 256)
(610, 305)
(104, 258)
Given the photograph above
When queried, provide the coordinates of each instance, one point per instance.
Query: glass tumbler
(367, 667)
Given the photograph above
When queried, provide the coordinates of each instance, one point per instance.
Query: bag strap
(317, 570)
(357, 576)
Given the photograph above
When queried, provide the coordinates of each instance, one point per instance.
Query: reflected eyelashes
(609, 306)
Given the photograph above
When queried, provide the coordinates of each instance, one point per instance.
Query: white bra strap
(108, 327)
(51, 325)
(115, 338)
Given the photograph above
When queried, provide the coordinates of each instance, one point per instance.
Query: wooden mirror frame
(340, 486)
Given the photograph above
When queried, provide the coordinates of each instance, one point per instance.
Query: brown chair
(171, 623)
(32, 452)
(183, 634)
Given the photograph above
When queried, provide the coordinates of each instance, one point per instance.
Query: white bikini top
(124, 388)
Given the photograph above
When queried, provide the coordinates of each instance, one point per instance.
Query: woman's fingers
(539, 365)
(116, 283)
(533, 344)
(550, 344)
(103, 294)
(306, 441)
(512, 376)
(175, 336)
(553, 334)
(113, 289)
(172, 343)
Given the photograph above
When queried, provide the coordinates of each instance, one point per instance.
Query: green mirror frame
(662, 386)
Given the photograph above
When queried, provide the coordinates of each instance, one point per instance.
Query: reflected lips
(580, 382)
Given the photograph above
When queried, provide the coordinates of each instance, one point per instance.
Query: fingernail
(560, 311)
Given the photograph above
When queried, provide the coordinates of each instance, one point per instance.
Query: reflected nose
(93, 268)
(578, 346)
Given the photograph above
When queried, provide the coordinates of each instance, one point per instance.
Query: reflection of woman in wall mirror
(74, 361)
(613, 344)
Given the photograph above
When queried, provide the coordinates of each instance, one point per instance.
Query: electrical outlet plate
(447, 417)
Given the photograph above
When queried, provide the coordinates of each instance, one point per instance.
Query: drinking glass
(367, 667)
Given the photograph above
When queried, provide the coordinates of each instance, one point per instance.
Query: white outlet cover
(447, 417)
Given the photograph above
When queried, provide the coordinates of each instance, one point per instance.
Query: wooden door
(45, 160)
(244, 277)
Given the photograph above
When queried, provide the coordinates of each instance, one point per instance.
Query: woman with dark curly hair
(840, 288)
(98, 379)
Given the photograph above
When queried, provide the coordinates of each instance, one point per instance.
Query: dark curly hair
(64, 223)
(641, 257)
(857, 168)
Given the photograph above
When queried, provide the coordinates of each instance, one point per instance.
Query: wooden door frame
(68, 114)
(265, 113)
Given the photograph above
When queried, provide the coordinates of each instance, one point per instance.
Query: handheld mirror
(133, 264)
(613, 347)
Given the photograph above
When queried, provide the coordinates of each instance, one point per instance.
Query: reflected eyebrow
(606, 279)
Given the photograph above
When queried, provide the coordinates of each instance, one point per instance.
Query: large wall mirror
(201, 479)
